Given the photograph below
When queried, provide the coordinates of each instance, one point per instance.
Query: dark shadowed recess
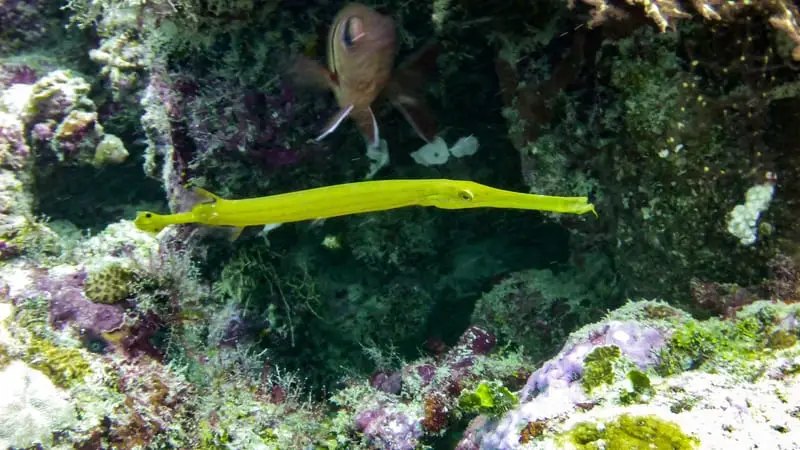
(93, 198)
(513, 246)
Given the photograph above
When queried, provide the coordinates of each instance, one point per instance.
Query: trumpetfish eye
(465, 195)
(353, 31)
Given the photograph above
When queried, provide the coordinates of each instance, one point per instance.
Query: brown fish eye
(465, 195)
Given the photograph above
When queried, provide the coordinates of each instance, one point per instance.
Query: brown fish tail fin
(334, 122)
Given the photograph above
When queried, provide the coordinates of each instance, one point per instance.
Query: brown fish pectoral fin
(368, 125)
(305, 72)
(334, 122)
(416, 112)
(414, 70)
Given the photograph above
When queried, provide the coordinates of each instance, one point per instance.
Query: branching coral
(783, 15)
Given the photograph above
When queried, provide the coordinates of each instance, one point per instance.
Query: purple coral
(68, 305)
(16, 74)
(391, 383)
(389, 429)
(478, 340)
(553, 389)
(638, 342)
(42, 132)
(78, 131)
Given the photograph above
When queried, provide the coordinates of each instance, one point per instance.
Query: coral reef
(410, 328)
(111, 284)
(730, 370)
(65, 124)
(538, 309)
(666, 129)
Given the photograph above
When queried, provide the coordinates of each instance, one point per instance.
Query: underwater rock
(109, 151)
(668, 372)
(76, 136)
(32, 408)
(55, 95)
(539, 308)
(669, 143)
(69, 305)
(387, 421)
(110, 259)
(639, 342)
(391, 429)
(124, 60)
(168, 146)
(14, 151)
(782, 15)
(119, 243)
(18, 231)
(64, 124)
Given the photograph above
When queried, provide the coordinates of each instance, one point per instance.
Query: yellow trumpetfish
(355, 198)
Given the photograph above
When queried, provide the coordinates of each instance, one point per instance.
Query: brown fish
(362, 46)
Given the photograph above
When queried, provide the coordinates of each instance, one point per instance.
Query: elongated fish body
(357, 198)
(319, 203)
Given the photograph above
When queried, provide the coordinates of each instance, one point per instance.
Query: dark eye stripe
(347, 34)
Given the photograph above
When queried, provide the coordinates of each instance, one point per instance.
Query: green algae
(732, 345)
(598, 368)
(781, 339)
(640, 388)
(4, 357)
(631, 433)
(489, 398)
(64, 366)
